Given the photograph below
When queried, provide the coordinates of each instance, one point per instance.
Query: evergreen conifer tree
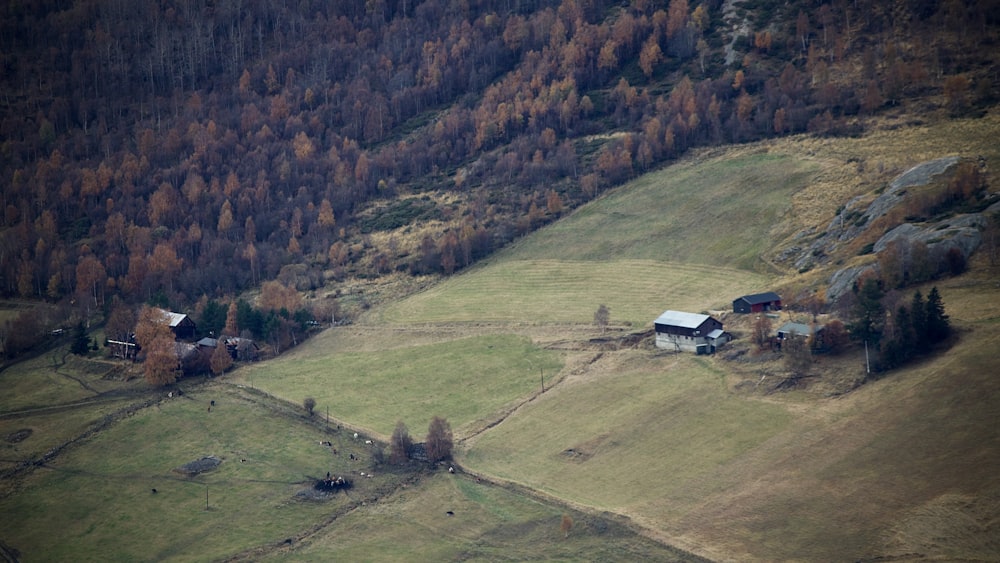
(918, 314)
(81, 343)
(938, 327)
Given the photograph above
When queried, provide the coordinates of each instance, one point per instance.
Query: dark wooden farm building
(181, 324)
(757, 303)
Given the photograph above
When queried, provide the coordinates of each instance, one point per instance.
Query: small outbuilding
(243, 349)
(757, 303)
(800, 330)
(689, 332)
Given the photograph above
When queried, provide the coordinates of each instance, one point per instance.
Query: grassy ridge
(718, 212)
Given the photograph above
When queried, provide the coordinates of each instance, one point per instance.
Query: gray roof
(174, 319)
(717, 333)
(796, 328)
(681, 319)
(766, 297)
(208, 342)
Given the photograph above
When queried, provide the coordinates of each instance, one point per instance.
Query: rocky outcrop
(843, 280)
(961, 232)
(855, 217)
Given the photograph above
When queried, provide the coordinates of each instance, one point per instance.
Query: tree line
(895, 329)
(200, 149)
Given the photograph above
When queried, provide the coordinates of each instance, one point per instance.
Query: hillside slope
(900, 467)
(161, 152)
(555, 415)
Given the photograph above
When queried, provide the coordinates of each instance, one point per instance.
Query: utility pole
(868, 368)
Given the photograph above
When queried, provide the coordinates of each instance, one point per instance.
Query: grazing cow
(450, 513)
(355, 435)
(154, 491)
(451, 469)
(368, 442)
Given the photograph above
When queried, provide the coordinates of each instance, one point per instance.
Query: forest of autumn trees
(165, 152)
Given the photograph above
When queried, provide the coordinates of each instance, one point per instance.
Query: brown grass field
(675, 443)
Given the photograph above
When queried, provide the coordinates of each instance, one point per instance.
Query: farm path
(59, 362)
(102, 397)
(576, 366)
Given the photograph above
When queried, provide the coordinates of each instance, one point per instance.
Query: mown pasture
(50, 379)
(465, 380)
(52, 398)
(553, 291)
(689, 237)
(653, 422)
(716, 211)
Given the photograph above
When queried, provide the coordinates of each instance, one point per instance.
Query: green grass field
(489, 523)
(716, 212)
(412, 384)
(95, 502)
(663, 419)
(42, 382)
(665, 241)
(49, 429)
(550, 291)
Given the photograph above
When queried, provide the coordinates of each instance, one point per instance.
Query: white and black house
(689, 332)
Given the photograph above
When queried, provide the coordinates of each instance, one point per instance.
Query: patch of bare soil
(199, 466)
(585, 450)
(19, 435)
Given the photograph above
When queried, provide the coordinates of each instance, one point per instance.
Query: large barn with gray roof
(689, 332)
